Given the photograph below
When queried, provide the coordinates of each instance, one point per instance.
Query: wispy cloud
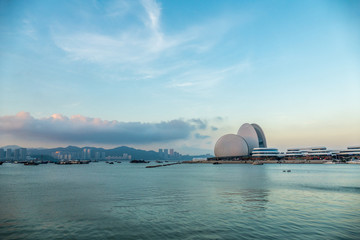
(135, 45)
(145, 50)
(81, 129)
(196, 80)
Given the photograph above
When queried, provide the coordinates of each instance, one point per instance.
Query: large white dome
(260, 134)
(231, 145)
(248, 132)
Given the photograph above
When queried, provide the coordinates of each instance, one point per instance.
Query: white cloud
(142, 51)
(80, 129)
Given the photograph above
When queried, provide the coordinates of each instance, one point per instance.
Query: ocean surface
(187, 201)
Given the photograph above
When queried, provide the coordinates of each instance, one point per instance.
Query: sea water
(186, 201)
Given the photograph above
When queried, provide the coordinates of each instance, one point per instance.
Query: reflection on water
(250, 200)
(127, 201)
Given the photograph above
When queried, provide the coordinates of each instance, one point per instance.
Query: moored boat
(31, 163)
(138, 161)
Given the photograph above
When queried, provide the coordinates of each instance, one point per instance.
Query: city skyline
(163, 74)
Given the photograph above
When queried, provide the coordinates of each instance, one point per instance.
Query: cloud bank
(80, 129)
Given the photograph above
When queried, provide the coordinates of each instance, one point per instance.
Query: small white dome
(231, 145)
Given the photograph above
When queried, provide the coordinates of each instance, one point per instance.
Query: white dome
(248, 132)
(231, 145)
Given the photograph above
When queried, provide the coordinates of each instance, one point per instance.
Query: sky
(179, 74)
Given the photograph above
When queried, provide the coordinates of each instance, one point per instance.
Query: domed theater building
(248, 138)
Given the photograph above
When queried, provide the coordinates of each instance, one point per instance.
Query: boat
(138, 161)
(159, 161)
(257, 163)
(215, 163)
(31, 163)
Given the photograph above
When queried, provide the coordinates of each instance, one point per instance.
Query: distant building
(89, 153)
(265, 152)
(86, 154)
(23, 154)
(17, 154)
(309, 153)
(8, 154)
(2, 153)
(353, 151)
(171, 152)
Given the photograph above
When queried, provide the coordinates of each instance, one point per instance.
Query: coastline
(263, 162)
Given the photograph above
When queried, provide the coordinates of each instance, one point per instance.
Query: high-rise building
(85, 154)
(2, 153)
(89, 153)
(171, 152)
(17, 154)
(23, 154)
(160, 150)
(8, 154)
(166, 152)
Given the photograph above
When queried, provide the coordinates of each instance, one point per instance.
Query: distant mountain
(12, 147)
(135, 153)
(118, 151)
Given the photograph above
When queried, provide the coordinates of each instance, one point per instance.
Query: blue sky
(179, 74)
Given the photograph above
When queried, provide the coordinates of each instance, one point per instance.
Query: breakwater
(162, 165)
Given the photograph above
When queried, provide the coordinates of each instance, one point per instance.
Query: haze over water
(127, 201)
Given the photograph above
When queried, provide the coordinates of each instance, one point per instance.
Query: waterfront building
(294, 153)
(86, 154)
(23, 154)
(166, 154)
(2, 153)
(89, 153)
(349, 153)
(310, 153)
(248, 137)
(171, 152)
(265, 153)
(8, 154)
(17, 154)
